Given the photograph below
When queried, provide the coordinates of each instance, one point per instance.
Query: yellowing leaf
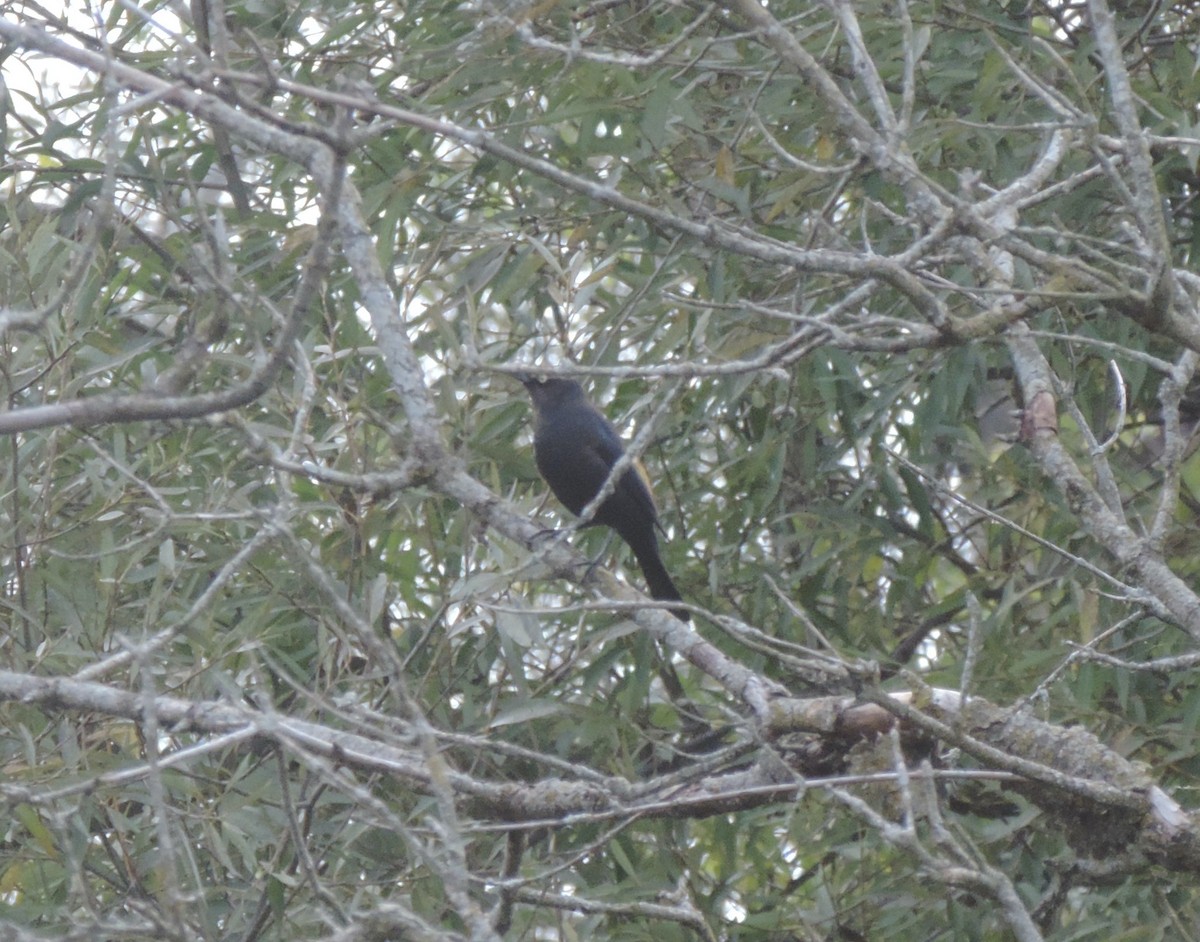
(724, 169)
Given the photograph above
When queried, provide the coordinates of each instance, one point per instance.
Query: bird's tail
(658, 580)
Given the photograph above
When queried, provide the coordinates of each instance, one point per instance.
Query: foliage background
(895, 297)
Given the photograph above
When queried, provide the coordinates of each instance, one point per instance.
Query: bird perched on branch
(576, 449)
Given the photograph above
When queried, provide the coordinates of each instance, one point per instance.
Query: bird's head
(550, 390)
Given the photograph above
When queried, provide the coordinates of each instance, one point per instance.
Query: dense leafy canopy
(893, 300)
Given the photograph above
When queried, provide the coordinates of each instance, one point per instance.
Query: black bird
(576, 448)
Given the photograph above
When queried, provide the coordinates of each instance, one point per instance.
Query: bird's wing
(607, 447)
